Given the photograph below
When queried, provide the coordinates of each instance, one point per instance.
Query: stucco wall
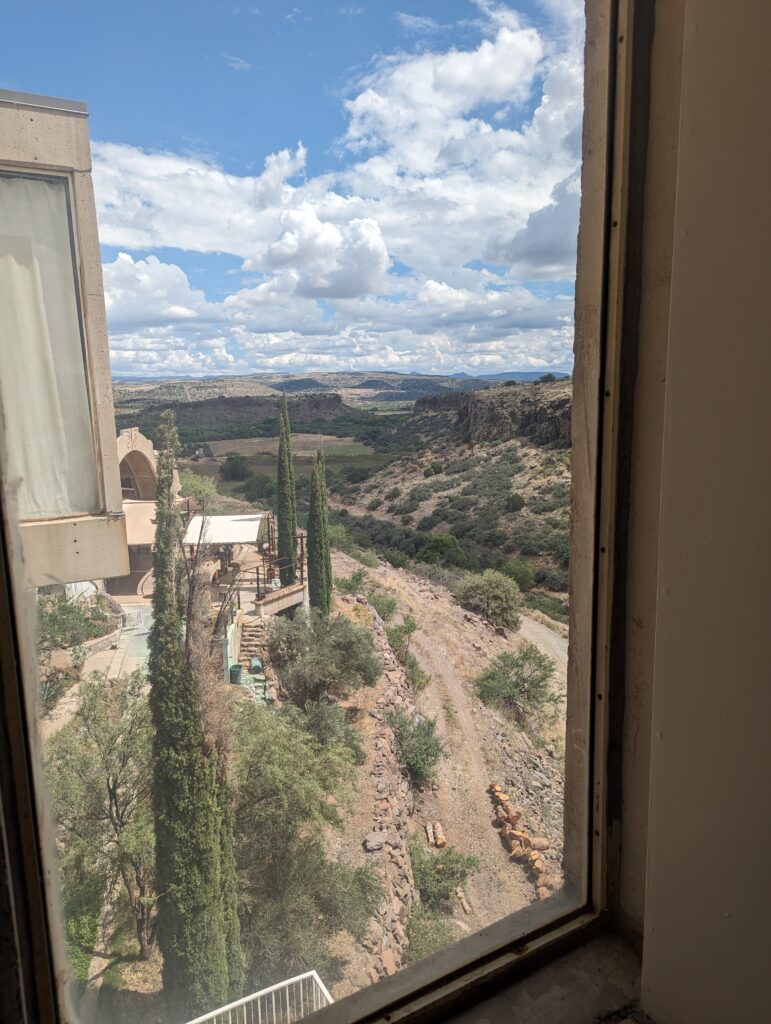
(706, 948)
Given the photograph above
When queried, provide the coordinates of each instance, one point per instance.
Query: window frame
(48, 139)
(616, 51)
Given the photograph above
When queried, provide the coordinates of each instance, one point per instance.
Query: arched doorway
(137, 476)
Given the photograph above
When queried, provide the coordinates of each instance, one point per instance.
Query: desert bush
(416, 677)
(393, 494)
(493, 596)
(429, 522)
(327, 724)
(396, 557)
(549, 605)
(418, 747)
(427, 932)
(366, 557)
(340, 538)
(521, 572)
(514, 502)
(438, 875)
(374, 504)
(384, 604)
(319, 658)
(353, 584)
(399, 637)
(552, 579)
(441, 547)
(520, 683)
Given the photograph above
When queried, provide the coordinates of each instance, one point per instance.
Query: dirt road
(453, 647)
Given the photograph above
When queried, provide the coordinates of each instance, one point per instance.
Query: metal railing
(284, 1003)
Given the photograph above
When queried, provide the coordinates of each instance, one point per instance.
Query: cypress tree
(186, 812)
(287, 502)
(319, 559)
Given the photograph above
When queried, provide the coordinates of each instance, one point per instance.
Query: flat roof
(140, 521)
(225, 529)
(31, 99)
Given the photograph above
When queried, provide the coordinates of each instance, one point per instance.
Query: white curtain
(43, 392)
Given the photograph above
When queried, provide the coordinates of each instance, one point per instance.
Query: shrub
(393, 494)
(357, 474)
(493, 596)
(260, 487)
(514, 502)
(418, 746)
(520, 683)
(318, 657)
(340, 538)
(416, 677)
(235, 467)
(521, 572)
(441, 547)
(328, 725)
(552, 579)
(374, 504)
(549, 605)
(428, 471)
(399, 637)
(437, 467)
(396, 557)
(368, 558)
(353, 584)
(438, 875)
(427, 933)
(384, 604)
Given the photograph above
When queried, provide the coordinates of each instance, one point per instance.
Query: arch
(138, 476)
(138, 467)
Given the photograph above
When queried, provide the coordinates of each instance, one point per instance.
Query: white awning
(226, 529)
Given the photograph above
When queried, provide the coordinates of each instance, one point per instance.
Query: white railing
(284, 1003)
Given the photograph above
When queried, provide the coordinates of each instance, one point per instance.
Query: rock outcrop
(538, 412)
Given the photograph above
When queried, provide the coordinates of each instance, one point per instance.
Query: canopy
(227, 529)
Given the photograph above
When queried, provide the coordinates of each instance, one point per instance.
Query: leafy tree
(260, 488)
(287, 502)
(235, 467)
(418, 746)
(437, 875)
(99, 774)
(64, 625)
(319, 558)
(521, 572)
(319, 657)
(200, 488)
(327, 724)
(190, 927)
(521, 683)
(493, 596)
(292, 897)
(441, 547)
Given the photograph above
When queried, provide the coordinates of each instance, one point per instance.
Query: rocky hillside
(537, 412)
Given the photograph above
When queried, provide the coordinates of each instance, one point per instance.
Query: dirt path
(453, 647)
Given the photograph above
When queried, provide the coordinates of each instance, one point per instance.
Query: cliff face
(538, 412)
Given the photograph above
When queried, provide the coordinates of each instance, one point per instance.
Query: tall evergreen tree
(287, 502)
(187, 816)
(319, 559)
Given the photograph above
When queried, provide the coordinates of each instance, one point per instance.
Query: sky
(297, 185)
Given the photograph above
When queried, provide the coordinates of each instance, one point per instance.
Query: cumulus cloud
(459, 187)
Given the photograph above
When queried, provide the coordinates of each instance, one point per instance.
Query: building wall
(706, 947)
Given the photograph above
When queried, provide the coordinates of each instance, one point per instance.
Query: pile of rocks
(523, 847)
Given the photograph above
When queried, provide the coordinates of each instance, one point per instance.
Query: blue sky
(312, 185)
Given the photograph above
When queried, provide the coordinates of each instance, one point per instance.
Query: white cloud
(453, 157)
(236, 63)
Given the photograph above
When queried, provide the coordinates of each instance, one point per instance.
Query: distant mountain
(522, 375)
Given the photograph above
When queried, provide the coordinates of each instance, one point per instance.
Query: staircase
(253, 645)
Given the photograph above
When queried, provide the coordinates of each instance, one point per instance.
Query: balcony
(284, 1003)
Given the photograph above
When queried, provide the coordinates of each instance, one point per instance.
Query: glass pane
(318, 733)
(43, 381)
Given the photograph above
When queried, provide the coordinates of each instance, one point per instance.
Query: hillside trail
(453, 647)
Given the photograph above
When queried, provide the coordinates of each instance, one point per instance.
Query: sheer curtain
(43, 390)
